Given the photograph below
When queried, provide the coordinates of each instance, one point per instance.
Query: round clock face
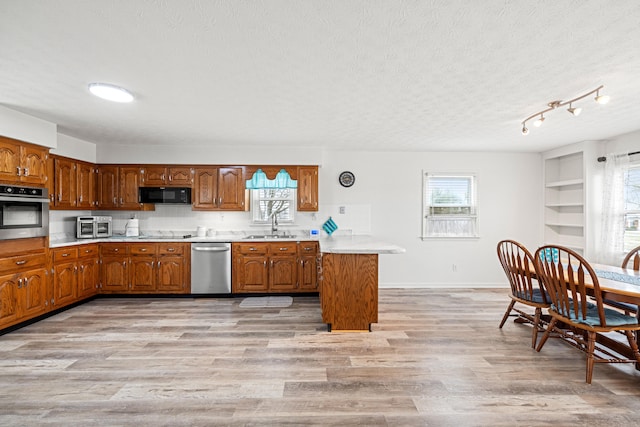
(347, 179)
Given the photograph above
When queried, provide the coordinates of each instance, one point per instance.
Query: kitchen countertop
(359, 244)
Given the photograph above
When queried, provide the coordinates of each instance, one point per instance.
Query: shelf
(558, 224)
(565, 183)
(564, 205)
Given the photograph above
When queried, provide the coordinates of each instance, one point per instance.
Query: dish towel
(329, 226)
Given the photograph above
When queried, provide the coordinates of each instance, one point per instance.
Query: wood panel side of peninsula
(349, 291)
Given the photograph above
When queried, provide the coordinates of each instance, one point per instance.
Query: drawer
(251, 248)
(65, 254)
(143, 249)
(87, 251)
(171, 248)
(114, 249)
(283, 248)
(308, 248)
(22, 262)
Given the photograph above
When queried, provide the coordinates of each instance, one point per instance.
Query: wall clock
(347, 179)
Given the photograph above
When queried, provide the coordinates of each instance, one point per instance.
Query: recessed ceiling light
(110, 92)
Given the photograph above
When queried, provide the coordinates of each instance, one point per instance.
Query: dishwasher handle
(210, 249)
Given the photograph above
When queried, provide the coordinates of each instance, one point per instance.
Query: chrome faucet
(274, 222)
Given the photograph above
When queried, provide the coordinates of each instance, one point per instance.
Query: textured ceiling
(360, 74)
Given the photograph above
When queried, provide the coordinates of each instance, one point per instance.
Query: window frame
(427, 215)
(626, 241)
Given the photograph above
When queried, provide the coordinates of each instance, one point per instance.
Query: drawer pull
(308, 249)
(21, 262)
(143, 250)
(65, 255)
(253, 249)
(284, 249)
(171, 249)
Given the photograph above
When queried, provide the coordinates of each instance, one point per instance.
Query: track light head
(525, 131)
(538, 122)
(575, 111)
(601, 99)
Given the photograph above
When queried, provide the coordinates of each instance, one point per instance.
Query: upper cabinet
(159, 176)
(307, 188)
(219, 188)
(22, 163)
(118, 187)
(73, 184)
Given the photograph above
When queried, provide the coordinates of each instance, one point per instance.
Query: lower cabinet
(24, 279)
(145, 268)
(75, 274)
(274, 267)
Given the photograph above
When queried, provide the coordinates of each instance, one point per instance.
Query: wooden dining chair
(519, 266)
(573, 285)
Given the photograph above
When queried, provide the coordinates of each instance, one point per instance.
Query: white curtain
(611, 249)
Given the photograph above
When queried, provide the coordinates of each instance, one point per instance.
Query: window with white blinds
(267, 202)
(449, 206)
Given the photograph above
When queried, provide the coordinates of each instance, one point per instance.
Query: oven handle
(23, 199)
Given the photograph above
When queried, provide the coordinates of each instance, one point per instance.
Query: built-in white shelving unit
(568, 179)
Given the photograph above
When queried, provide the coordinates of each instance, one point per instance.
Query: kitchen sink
(270, 236)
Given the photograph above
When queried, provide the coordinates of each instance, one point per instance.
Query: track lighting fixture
(600, 99)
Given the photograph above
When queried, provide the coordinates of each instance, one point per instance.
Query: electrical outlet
(454, 268)
(342, 210)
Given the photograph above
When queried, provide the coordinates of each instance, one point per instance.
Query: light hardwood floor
(436, 358)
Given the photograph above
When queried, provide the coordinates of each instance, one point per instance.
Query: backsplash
(356, 219)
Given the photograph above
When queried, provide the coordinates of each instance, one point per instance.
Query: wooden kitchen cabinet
(74, 184)
(160, 176)
(114, 267)
(86, 174)
(118, 187)
(274, 267)
(159, 268)
(88, 270)
(308, 266)
(24, 280)
(307, 188)
(22, 163)
(65, 183)
(219, 188)
(75, 273)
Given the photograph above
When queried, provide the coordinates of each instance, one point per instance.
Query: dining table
(619, 285)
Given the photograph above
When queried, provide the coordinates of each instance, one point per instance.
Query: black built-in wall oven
(24, 212)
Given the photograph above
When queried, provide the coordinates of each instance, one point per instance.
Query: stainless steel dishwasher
(211, 268)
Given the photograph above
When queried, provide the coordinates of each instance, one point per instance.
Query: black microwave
(175, 195)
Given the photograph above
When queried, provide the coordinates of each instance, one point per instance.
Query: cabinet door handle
(124, 264)
(265, 262)
(26, 171)
(21, 262)
(115, 200)
(121, 201)
(19, 171)
(19, 283)
(158, 264)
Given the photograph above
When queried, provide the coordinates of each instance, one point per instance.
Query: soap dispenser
(132, 229)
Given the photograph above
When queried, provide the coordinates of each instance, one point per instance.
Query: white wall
(509, 197)
(75, 148)
(17, 125)
(628, 142)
